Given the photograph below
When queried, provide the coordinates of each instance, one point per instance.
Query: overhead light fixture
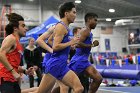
(77, 1)
(108, 19)
(31, 0)
(124, 21)
(111, 10)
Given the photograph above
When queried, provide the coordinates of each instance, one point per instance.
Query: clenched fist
(95, 43)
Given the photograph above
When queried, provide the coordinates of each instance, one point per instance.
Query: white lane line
(113, 91)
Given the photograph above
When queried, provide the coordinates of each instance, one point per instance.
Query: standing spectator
(32, 57)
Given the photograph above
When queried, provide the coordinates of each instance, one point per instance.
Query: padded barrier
(120, 73)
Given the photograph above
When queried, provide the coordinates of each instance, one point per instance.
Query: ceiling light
(31, 0)
(111, 10)
(124, 21)
(108, 19)
(77, 1)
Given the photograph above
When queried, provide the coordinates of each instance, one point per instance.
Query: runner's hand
(16, 75)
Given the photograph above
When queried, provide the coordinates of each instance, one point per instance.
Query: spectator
(32, 57)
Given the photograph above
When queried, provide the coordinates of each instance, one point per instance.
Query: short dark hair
(89, 16)
(75, 30)
(65, 7)
(13, 19)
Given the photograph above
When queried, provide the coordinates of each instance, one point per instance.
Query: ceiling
(124, 8)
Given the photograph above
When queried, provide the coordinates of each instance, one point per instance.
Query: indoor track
(103, 89)
(119, 90)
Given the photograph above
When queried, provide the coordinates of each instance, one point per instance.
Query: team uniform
(57, 64)
(45, 59)
(79, 61)
(8, 84)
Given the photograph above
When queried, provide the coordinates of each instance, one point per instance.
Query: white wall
(118, 39)
(32, 17)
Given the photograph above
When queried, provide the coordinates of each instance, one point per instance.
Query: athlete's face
(22, 29)
(93, 22)
(71, 15)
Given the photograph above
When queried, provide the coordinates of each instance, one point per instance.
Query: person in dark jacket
(32, 57)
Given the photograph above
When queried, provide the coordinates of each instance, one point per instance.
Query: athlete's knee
(99, 79)
(79, 89)
(64, 88)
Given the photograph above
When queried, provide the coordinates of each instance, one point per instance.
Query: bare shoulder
(85, 32)
(60, 28)
(10, 39)
(7, 44)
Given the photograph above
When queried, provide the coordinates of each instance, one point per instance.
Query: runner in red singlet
(10, 55)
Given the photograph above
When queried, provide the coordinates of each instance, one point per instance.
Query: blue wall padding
(127, 67)
(120, 73)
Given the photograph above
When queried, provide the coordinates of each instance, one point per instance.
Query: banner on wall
(106, 30)
(107, 44)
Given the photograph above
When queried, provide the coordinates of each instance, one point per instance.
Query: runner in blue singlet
(56, 67)
(79, 62)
